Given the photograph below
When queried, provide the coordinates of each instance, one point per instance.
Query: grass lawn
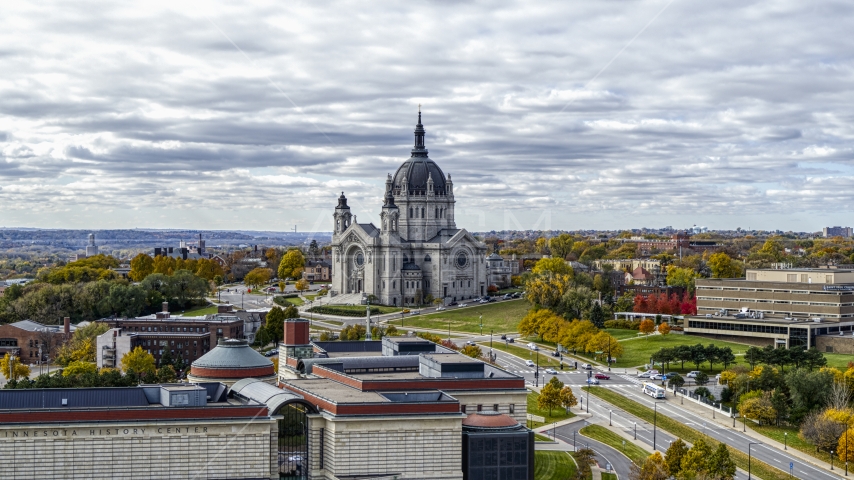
(200, 311)
(502, 317)
(556, 415)
(550, 465)
(542, 438)
(637, 352)
(284, 302)
(838, 360)
(690, 435)
(792, 440)
(525, 353)
(629, 449)
(310, 297)
(361, 308)
(609, 476)
(622, 333)
(333, 322)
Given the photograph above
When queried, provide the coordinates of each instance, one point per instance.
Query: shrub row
(343, 312)
(624, 324)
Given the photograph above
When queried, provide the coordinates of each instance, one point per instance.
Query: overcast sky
(562, 115)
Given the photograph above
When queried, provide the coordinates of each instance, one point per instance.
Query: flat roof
(448, 358)
(335, 392)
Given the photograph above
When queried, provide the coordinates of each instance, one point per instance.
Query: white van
(653, 390)
(533, 346)
(586, 366)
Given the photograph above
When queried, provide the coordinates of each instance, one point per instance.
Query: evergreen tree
(673, 456)
(720, 466)
(597, 317)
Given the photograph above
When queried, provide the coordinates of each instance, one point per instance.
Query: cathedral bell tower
(342, 216)
(390, 213)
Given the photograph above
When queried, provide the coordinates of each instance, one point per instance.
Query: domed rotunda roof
(490, 420)
(229, 361)
(418, 169)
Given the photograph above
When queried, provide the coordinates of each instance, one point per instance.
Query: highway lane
(605, 455)
(630, 387)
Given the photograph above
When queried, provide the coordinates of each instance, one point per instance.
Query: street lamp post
(537, 373)
(831, 460)
(636, 430)
(481, 325)
(609, 417)
(785, 440)
(750, 458)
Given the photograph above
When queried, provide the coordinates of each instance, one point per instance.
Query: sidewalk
(721, 420)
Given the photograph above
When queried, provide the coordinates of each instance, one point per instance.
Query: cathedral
(417, 253)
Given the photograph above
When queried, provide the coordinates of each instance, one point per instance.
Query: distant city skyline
(557, 116)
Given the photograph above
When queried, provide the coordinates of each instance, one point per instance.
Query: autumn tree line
(683, 463)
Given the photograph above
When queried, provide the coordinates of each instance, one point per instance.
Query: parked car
(602, 376)
(693, 374)
(586, 366)
(270, 353)
(453, 304)
(551, 371)
(507, 296)
(405, 310)
(464, 304)
(483, 300)
(592, 381)
(530, 363)
(439, 309)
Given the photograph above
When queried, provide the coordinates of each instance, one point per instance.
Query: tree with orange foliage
(647, 326)
(664, 328)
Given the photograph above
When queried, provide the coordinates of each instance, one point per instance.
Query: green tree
(258, 277)
(701, 379)
(597, 317)
(292, 264)
(674, 455)
(720, 466)
(723, 266)
(550, 395)
(754, 355)
(184, 286)
(551, 266)
(139, 361)
(274, 324)
(726, 356)
(681, 277)
(140, 267)
(697, 457)
(79, 368)
(561, 245)
(676, 381)
(166, 374)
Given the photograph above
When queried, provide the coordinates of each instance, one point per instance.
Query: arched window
(427, 258)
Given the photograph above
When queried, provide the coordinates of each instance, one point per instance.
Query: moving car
(647, 374)
(551, 371)
(530, 363)
(602, 376)
(667, 376)
(511, 340)
(439, 309)
(586, 366)
(533, 346)
(556, 353)
(693, 374)
(453, 304)
(504, 337)
(470, 342)
(464, 304)
(592, 381)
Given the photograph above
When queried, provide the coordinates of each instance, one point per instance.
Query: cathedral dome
(418, 169)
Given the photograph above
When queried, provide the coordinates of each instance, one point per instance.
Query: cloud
(264, 112)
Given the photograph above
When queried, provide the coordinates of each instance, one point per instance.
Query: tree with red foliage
(641, 305)
(689, 305)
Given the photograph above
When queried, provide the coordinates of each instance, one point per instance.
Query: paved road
(630, 387)
(605, 455)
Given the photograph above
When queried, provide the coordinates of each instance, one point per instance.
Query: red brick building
(24, 339)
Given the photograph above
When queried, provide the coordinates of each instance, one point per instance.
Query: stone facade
(835, 344)
(417, 253)
(402, 447)
(222, 449)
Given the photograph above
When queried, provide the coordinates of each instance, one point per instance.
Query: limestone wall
(406, 448)
(222, 449)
